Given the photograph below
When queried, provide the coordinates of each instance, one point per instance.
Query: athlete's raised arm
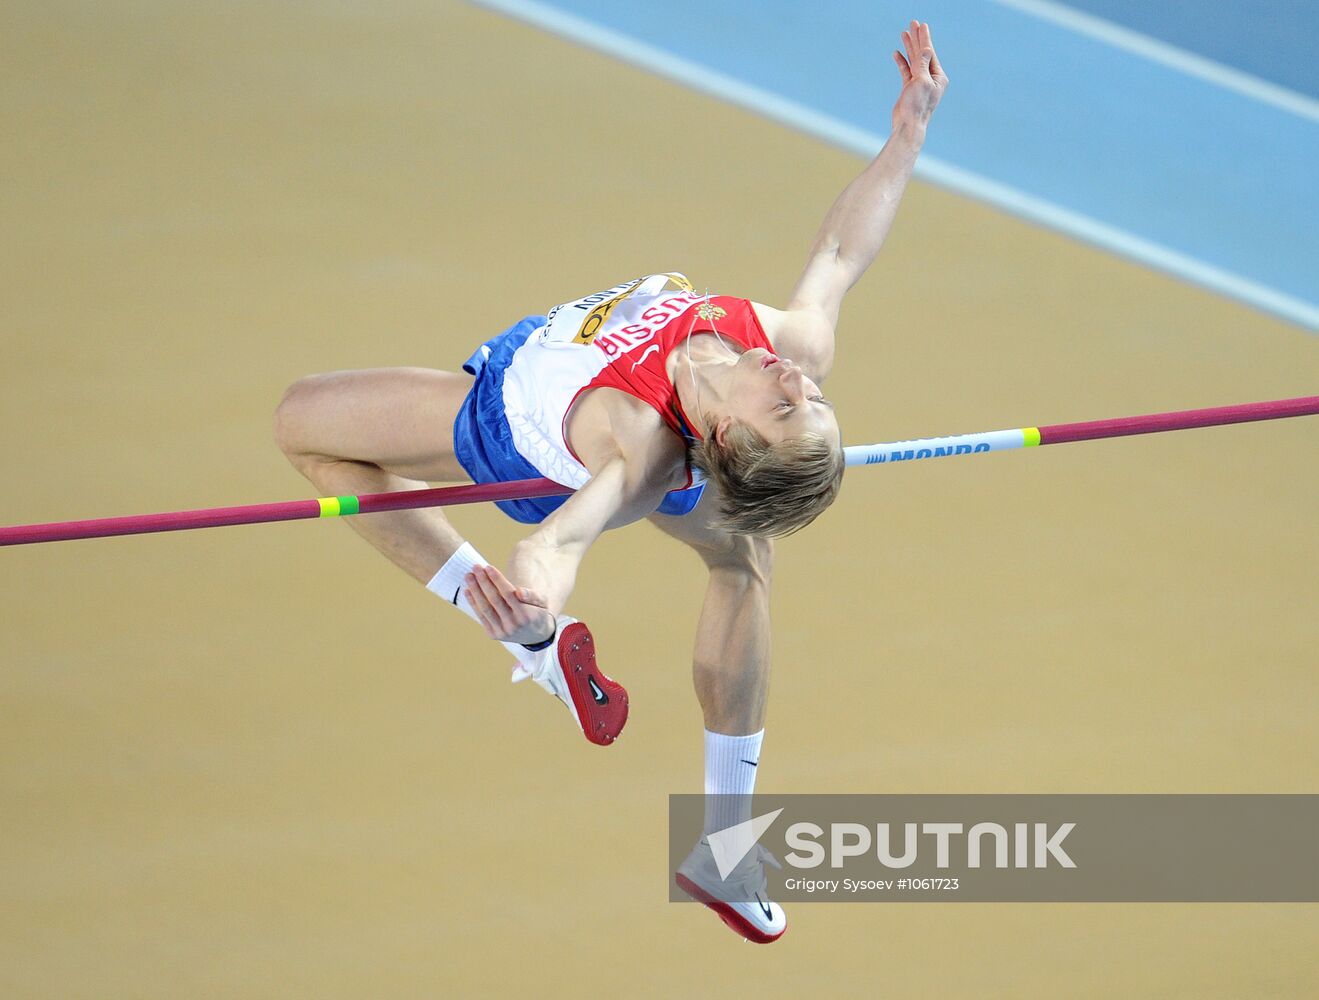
(859, 221)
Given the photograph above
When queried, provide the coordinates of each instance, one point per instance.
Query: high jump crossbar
(872, 454)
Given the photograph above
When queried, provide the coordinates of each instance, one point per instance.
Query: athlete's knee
(746, 555)
(292, 415)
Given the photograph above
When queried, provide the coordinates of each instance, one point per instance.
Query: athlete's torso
(619, 339)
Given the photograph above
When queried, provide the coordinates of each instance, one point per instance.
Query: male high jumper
(700, 413)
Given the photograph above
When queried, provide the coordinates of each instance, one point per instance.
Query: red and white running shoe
(741, 900)
(567, 669)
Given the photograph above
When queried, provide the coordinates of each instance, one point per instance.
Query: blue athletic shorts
(483, 441)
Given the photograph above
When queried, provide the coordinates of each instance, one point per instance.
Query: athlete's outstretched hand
(923, 78)
(509, 613)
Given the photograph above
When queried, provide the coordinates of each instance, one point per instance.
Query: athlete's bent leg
(380, 430)
(731, 673)
(731, 661)
(389, 429)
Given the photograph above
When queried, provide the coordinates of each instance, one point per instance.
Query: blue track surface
(1275, 40)
(1169, 159)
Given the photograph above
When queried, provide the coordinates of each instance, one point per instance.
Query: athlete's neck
(700, 369)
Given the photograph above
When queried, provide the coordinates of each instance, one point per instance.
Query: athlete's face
(775, 398)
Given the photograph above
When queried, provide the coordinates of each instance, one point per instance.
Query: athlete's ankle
(731, 764)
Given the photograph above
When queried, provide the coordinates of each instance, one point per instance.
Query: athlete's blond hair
(769, 490)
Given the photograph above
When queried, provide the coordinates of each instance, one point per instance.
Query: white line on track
(1169, 55)
(867, 144)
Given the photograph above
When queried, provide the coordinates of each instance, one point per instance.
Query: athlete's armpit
(804, 334)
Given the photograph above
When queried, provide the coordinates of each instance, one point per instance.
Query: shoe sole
(731, 918)
(601, 720)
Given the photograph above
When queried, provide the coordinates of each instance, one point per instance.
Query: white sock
(730, 778)
(450, 582)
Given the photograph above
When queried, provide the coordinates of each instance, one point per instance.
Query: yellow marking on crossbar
(329, 506)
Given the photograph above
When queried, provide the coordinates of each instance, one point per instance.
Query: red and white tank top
(619, 338)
